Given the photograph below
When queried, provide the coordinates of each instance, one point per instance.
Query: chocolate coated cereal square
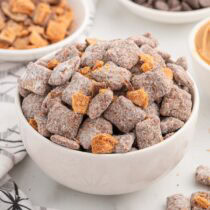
(202, 175)
(125, 142)
(178, 202)
(124, 114)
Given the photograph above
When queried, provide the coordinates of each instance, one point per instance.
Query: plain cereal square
(36, 79)
(124, 114)
(63, 121)
(148, 132)
(177, 104)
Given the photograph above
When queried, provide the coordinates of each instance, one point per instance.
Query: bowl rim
(165, 13)
(196, 103)
(192, 46)
(58, 44)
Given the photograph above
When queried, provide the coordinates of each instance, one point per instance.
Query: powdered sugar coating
(178, 202)
(152, 109)
(36, 79)
(170, 124)
(155, 83)
(124, 53)
(31, 105)
(148, 132)
(125, 142)
(202, 175)
(177, 104)
(91, 128)
(182, 61)
(100, 103)
(112, 75)
(124, 114)
(41, 120)
(79, 83)
(63, 121)
(63, 141)
(63, 71)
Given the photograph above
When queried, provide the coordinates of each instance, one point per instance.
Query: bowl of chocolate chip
(31, 29)
(107, 117)
(169, 11)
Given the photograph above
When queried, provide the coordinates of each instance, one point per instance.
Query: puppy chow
(202, 175)
(178, 202)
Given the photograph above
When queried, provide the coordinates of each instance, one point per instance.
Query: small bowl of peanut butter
(30, 29)
(199, 44)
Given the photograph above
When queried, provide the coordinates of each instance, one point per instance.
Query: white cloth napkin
(12, 150)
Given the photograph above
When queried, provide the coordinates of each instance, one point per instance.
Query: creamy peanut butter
(202, 42)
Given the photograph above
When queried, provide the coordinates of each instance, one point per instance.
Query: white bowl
(201, 68)
(165, 16)
(111, 173)
(81, 18)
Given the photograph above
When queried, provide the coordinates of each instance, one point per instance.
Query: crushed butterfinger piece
(22, 6)
(98, 64)
(80, 103)
(91, 41)
(139, 97)
(52, 63)
(168, 72)
(202, 201)
(33, 123)
(56, 31)
(103, 144)
(41, 14)
(37, 40)
(148, 62)
(85, 70)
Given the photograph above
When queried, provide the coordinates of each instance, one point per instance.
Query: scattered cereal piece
(31, 105)
(41, 13)
(139, 97)
(178, 202)
(63, 141)
(63, 71)
(177, 104)
(62, 121)
(124, 114)
(170, 124)
(41, 121)
(148, 132)
(91, 128)
(32, 122)
(125, 143)
(36, 79)
(200, 200)
(80, 103)
(100, 103)
(103, 144)
(111, 74)
(79, 83)
(202, 175)
(22, 6)
(52, 63)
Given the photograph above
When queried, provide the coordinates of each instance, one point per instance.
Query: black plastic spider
(14, 200)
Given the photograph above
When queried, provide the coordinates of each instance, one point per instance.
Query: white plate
(81, 17)
(165, 16)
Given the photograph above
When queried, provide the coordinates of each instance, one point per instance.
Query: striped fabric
(12, 150)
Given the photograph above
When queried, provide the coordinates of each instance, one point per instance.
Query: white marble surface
(114, 21)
